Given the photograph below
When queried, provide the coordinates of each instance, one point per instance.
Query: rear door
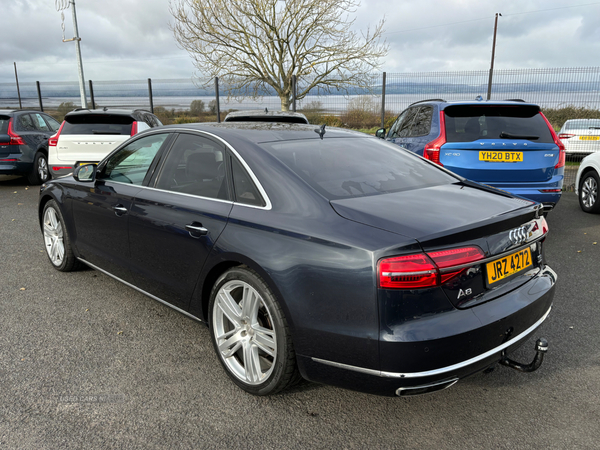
(90, 137)
(498, 143)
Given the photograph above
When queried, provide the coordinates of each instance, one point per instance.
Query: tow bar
(541, 347)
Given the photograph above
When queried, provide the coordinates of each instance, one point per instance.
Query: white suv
(88, 135)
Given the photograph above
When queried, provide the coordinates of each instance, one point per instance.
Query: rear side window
(24, 123)
(97, 124)
(422, 122)
(40, 123)
(466, 123)
(355, 167)
(4, 124)
(245, 190)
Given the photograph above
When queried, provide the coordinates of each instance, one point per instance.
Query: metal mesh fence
(563, 94)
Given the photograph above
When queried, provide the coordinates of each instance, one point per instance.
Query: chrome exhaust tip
(425, 388)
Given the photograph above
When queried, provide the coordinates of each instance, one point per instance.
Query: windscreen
(468, 123)
(97, 124)
(340, 168)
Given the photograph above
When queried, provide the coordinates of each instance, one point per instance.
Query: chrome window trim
(185, 313)
(442, 370)
(257, 183)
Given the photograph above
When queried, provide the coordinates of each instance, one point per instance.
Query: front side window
(404, 123)
(195, 165)
(131, 163)
(53, 124)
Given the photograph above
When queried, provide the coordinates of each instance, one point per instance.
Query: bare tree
(252, 45)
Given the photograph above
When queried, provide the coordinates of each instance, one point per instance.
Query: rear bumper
(426, 351)
(15, 167)
(60, 170)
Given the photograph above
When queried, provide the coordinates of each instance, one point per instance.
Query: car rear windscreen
(582, 124)
(97, 124)
(340, 168)
(468, 123)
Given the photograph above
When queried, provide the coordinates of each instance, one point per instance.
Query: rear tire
(40, 172)
(250, 333)
(588, 192)
(56, 239)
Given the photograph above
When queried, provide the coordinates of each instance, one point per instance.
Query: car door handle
(120, 210)
(196, 229)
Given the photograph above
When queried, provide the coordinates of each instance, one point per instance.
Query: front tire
(588, 193)
(40, 172)
(250, 333)
(56, 239)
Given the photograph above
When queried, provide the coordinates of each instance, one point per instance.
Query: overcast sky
(131, 39)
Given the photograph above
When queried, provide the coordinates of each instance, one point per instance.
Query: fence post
(37, 83)
(217, 97)
(383, 102)
(150, 95)
(92, 95)
(294, 93)
(18, 91)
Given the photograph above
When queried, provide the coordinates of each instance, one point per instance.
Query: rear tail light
(134, 128)
(565, 136)
(423, 270)
(561, 147)
(53, 140)
(432, 149)
(15, 139)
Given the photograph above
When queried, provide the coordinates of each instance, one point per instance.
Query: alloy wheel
(53, 237)
(42, 169)
(244, 332)
(589, 192)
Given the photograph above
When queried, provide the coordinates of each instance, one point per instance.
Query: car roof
(266, 116)
(107, 111)
(259, 132)
(12, 111)
(444, 104)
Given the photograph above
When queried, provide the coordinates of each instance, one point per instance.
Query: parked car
(88, 135)
(332, 256)
(580, 136)
(266, 116)
(587, 182)
(506, 144)
(24, 143)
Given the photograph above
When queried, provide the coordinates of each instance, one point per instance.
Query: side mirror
(85, 173)
(380, 133)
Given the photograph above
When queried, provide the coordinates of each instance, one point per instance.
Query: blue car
(508, 144)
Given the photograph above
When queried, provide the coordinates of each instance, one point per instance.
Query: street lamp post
(489, 93)
(60, 6)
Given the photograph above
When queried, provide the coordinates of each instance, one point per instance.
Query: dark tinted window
(4, 124)
(422, 122)
(97, 124)
(195, 165)
(131, 163)
(355, 167)
(470, 123)
(25, 123)
(245, 190)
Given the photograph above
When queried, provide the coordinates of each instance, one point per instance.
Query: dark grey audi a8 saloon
(315, 253)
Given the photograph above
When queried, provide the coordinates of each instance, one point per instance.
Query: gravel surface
(86, 363)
